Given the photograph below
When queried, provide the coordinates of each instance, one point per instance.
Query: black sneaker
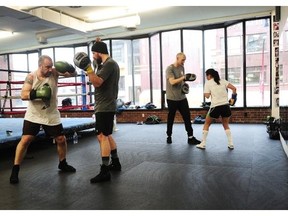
(193, 141)
(103, 176)
(64, 167)
(14, 175)
(169, 140)
(115, 165)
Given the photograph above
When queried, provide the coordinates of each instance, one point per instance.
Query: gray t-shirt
(174, 92)
(107, 93)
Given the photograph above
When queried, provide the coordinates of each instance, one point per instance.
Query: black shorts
(104, 123)
(224, 111)
(31, 128)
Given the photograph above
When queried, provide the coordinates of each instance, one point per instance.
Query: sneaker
(193, 141)
(115, 165)
(14, 175)
(201, 146)
(64, 167)
(103, 176)
(231, 146)
(169, 140)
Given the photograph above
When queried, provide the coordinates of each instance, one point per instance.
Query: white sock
(229, 136)
(204, 136)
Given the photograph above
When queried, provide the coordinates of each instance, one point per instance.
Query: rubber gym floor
(155, 175)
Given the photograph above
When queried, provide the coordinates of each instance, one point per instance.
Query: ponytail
(214, 74)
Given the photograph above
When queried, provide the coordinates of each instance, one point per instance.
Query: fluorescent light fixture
(115, 12)
(106, 14)
(129, 21)
(5, 34)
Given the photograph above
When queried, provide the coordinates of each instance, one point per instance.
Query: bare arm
(232, 87)
(27, 87)
(174, 81)
(95, 80)
(207, 95)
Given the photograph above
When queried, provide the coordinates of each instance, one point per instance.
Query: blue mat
(15, 126)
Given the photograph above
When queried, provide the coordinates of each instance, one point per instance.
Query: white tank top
(40, 112)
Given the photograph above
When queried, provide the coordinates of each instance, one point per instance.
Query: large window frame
(157, 58)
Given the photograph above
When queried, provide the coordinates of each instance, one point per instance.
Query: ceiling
(37, 27)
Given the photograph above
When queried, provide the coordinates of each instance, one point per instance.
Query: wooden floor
(155, 175)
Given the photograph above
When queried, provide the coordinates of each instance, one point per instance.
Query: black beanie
(100, 47)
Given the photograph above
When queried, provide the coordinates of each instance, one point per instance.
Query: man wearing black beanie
(105, 81)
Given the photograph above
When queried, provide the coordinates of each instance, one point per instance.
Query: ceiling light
(128, 22)
(118, 12)
(5, 34)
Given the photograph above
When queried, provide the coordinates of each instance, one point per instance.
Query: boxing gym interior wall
(248, 62)
(143, 77)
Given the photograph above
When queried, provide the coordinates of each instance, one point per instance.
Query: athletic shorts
(104, 123)
(224, 111)
(31, 128)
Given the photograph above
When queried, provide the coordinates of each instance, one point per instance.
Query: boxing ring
(10, 91)
(11, 129)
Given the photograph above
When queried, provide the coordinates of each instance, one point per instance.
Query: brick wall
(239, 115)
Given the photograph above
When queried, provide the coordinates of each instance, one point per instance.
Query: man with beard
(105, 81)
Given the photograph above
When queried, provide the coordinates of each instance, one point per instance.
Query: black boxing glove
(190, 77)
(82, 61)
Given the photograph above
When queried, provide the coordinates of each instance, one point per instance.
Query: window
(68, 87)
(3, 62)
(156, 71)
(255, 43)
(143, 63)
(32, 61)
(18, 62)
(122, 54)
(257, 63)
(141, 71)
(235, 60)
(193, 49)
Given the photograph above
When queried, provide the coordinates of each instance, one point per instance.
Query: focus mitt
(82, 61)
(190, 77)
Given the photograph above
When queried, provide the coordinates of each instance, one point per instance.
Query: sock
(229, 136)
(190, 137)
(204, 136)
(16, 168)
(105, 161)
(63, 161)
(114, 153)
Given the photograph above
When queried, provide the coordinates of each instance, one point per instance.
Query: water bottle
(75, 138)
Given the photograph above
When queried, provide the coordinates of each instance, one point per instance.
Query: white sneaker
(231, 146)
(201, 145)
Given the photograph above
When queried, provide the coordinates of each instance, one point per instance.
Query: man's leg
(185, 113)
(172, 108)
(62, 151)
(115, 163)
(21, 150)
(104, 129)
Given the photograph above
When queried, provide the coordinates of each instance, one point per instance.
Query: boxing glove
(82, 61)
(190, 77)
(43, 93)
(63, 66)
(185, 88)
(233, 99)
